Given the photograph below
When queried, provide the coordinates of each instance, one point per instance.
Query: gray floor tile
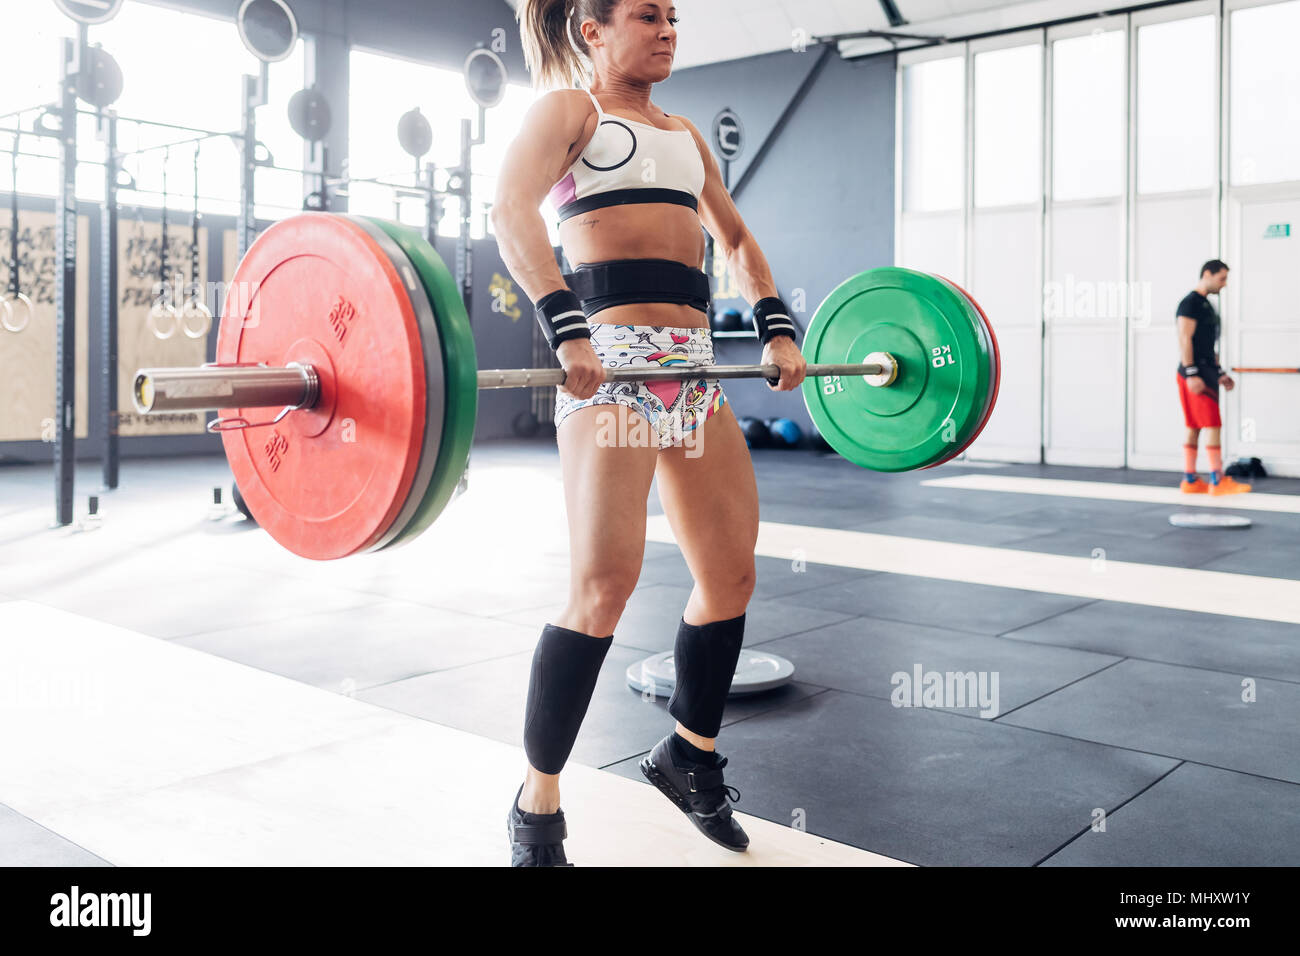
(174, 607)
(356, 648)
(844, 515)
(26, 843)
(489, 699)
(650, 619)
(953, 605)
(1267, 531)
(1264, 562)
(1214, 641)
(1060, 514)
(863, 655)
(1173, 553)
(775, 576)
(933, 528)
(1197, 816)
(922, 786)
(482, 591)
(932, 787)
(1182, 712)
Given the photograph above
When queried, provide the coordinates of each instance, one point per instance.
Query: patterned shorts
(672, 408)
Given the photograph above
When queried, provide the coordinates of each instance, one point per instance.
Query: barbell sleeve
(211, 387)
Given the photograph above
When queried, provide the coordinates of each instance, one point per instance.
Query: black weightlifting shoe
(698, 791)
(536, 839)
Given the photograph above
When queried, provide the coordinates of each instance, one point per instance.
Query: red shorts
(1199, 411)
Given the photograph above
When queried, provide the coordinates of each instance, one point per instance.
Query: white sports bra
(630, 162)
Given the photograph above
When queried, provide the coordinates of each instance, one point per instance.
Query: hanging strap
(194, 227)
(162, 261)
(13, 222)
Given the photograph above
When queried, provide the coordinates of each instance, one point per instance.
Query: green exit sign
(1278, 230)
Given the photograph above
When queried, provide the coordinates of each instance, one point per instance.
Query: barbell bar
(355, 330)
(212, 387)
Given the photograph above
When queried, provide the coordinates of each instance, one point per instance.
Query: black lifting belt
(602, 284)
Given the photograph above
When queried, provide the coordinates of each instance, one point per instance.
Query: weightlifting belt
(601, 285)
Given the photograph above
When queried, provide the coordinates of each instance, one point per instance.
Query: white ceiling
(715, 30)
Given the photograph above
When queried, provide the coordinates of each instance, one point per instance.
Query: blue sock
(1189, 476)
(1214, 477)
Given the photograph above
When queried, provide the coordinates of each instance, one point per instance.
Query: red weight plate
(997, 364)
(996, 357)
(330, 481)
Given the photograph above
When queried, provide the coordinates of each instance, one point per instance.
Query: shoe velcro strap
(539, 832)
(723, 812)
(703, 779)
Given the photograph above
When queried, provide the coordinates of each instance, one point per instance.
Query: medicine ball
(716, 322)
(785, 432)
(525, 425)
(756, 433)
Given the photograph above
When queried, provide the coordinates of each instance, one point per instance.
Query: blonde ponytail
(554, 50)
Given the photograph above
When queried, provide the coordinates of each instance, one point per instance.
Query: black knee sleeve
(704, 658)
(565, 666)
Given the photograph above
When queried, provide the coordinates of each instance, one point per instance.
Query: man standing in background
(1199, 377)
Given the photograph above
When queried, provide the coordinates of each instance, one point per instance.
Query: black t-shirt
(1205, 337)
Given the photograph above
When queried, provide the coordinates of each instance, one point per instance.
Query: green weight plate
(941, 392)
(433, 368)
(460, 367)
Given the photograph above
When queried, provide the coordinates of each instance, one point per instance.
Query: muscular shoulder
(565, 107)
(558, 123)
(699, 138)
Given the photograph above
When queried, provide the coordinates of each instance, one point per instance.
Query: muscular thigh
(709, 495)
(607, 472)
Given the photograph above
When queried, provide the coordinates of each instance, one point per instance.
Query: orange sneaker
(1196, 487)
(1227, 486)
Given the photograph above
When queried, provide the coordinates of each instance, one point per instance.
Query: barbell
(346, 383)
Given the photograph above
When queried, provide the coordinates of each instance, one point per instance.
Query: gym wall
(821, 201)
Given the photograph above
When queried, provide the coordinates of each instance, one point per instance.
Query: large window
(1008, 125)
(1265, 90)
(177, 67)
(1177, 110)
(382, 88)
(934, 134)
(1088, 116)
(29, 76)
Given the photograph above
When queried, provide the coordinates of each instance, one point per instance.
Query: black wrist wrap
(561, 317)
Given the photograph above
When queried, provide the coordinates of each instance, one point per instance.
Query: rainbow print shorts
(672, 409)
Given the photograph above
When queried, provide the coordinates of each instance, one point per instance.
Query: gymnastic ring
(162, 309)
(10, 323)
(194, 309)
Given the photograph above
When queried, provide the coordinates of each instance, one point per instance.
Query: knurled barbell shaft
(526, 377)
(211, 387)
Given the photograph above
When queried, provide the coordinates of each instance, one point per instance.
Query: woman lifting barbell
(632, 185)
